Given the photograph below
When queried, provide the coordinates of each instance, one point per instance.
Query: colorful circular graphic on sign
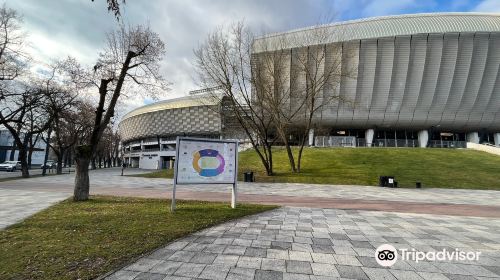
(208, 162)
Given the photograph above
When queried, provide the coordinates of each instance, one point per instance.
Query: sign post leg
(233, 196)
(172, 204)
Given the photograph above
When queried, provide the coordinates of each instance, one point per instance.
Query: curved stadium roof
(376, 27)
(206, 99)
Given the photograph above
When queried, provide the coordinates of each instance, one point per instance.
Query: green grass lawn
(444, 168)
(87, 239)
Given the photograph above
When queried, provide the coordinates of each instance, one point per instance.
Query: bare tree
(223, 61)
(13, 58)
(303, 73)
(114, 7)
(132, 57)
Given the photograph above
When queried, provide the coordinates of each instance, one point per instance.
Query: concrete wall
(484, 148)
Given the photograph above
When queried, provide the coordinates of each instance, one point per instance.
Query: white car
(10, 165)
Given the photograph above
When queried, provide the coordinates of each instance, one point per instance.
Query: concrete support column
(473, 137)
(369, 133)
(311, 137)
(423, 138)
(496, 138)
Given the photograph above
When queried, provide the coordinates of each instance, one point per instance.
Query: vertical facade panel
(366, 79)
(478, 63)
(331, 89)
(445, 78)
(464, 57)
(382, 84)
(489, 115)
(429, 80)
(414, 77)
(348, 83)
(398, 80)
(487, 84)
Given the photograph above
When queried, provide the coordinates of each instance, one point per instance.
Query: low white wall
(484, 148)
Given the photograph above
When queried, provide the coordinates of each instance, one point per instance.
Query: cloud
(77, 27)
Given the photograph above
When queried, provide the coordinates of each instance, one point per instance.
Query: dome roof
(376, 27)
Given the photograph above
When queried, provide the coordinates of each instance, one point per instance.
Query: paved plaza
(23, 197)
(331, 238)
(314, 244)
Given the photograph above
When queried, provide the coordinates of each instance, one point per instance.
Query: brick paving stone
(351, 272)
(166, 267)
(277, 254)
(161, 254)
(347, 260)
(182, 256)
(281, 245)
(143, 265)
(273, 264)
(298, 267)
(149, 276)
(323, 258)
(378, 273)
(249, 262)
(123, 275)
(268, 275)
(235, 250)
(228, 260)
(459, 277)
(240, 273)
(299, 256)
(214, 272)
(324, 269)
(256, 252)
(295, 276)
(202, 257)
(189, 269)
(405, 274)
(215, 248)
(432, 275)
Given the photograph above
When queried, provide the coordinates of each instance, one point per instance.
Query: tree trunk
(269, 169)
(47, 150)
(93, 164)
(30, 155)
(83, 156)
(24, 163)
(59, 161)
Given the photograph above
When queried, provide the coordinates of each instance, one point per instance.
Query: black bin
(418, 185)
(387, 181)
(248, 176)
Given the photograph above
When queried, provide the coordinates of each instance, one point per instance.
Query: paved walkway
(16, 205)
(23, 197)
(110, 178)
(313, 244)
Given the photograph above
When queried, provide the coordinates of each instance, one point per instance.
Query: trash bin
(248, 176)
(387, 181)
(382, 181)
(390, 181)
(418, 185)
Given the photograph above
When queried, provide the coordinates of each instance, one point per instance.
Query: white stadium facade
(423, 80)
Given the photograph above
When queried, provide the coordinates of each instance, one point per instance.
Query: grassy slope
(445, 168)
(84, 240)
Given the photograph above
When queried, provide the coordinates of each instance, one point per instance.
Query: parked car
(10, 165)
(50, 164)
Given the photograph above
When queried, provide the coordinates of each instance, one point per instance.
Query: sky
(60, 28)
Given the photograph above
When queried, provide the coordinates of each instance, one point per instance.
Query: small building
(7, 148)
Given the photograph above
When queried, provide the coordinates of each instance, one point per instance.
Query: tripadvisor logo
(386, 255)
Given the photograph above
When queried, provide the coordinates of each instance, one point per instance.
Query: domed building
(421, 80)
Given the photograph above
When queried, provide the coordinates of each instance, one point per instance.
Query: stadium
(422, 80)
